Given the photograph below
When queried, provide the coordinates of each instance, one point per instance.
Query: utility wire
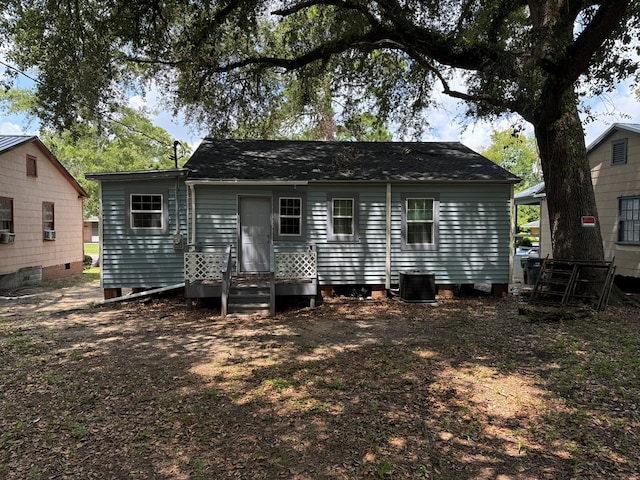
(98, 113)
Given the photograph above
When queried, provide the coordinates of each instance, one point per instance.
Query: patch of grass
(197, 467)
(280, 383)
(22, 344)
(91, 248)
(91, 274)
(76, 429)
(334, 383)
(34, 474)
(384, 468)
(506, 366)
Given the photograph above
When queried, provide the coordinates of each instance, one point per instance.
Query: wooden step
(249, 298)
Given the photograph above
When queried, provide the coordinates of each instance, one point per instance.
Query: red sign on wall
(588, 221)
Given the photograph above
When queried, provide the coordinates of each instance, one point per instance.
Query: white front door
(255, 234)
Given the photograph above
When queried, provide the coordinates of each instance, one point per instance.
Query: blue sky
(447, 122)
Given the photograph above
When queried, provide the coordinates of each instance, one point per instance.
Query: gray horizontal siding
(216, 215)
(361, 262)
(473, 237)
(139, 261)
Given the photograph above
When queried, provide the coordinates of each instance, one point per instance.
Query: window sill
(343, 240)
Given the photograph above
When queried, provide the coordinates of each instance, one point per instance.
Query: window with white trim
(420, 216)
(6, 214)
(629, 220)
(342, 218)
(290, 216)
(419, 220)
(147, 211)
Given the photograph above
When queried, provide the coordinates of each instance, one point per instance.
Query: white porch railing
(200, 266)
(296, 265)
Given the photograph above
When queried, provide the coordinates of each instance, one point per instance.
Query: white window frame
(163, 212)
(281, 216)
(332, 236)
(435, 221)
(630, 225)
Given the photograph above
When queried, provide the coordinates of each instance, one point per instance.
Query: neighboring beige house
(614, 158)
(40, 214)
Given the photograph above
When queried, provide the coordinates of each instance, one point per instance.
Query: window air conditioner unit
(49, 234)
(7, 237)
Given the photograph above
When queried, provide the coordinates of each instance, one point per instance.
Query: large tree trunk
(567, 177)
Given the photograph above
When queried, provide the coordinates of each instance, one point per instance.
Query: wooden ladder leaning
(568, 282)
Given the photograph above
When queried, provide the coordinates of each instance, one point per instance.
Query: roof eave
(616, 126)
(256, 182)
(137, 175)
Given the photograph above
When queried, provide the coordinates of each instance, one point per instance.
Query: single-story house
(40, 214)
(318, 215)
(533, 227)
(614, 159)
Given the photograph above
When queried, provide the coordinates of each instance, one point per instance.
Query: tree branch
(283, 12)
(603, 24)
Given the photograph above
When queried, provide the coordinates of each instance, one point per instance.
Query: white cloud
(448, 122)
(10, 128)
(137, 102)
(620, 106)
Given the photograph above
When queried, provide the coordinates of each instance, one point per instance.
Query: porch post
(387, 263)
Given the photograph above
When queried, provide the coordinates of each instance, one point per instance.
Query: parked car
(528, 251)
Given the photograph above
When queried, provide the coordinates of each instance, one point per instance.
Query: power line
(95, 112)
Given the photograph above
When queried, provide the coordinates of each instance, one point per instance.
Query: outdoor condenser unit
(417, 286)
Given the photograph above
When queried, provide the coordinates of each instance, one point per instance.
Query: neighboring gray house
(316, 214)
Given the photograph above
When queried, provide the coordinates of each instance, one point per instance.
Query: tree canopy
(517, 153)
(129, 143)
(242, 67)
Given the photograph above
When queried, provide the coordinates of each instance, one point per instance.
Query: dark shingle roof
(275, 160)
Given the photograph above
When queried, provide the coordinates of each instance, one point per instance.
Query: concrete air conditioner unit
(49, 234)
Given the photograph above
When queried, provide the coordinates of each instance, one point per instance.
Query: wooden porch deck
(210, 274)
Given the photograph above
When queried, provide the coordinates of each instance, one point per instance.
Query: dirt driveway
(352, 389)
(58, 297)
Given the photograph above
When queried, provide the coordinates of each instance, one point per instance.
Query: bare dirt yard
(353, 389)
